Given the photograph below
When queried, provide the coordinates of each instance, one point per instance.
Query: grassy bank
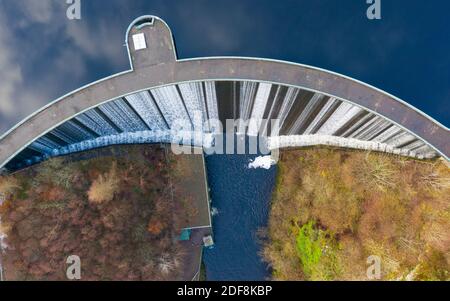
(332, 209)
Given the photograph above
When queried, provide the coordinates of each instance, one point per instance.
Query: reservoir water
(242, 198)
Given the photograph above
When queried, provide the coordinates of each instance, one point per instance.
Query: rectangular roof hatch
(139, 41)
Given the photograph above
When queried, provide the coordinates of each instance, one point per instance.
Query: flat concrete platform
(191, 178)
(194, 254)
(191, 181)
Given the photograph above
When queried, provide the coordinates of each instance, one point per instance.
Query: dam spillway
(147, 103)
(148, 116)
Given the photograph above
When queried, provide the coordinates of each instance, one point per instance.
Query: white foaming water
(262, 162)
(214, 211)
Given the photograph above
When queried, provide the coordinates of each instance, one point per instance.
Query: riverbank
(332, 209)
(120, 209)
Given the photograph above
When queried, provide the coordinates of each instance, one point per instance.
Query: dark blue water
(242, 197)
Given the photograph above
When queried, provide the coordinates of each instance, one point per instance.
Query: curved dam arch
(313, 106)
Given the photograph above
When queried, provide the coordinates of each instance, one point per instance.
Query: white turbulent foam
(372, 129)
(141, 137)
(194, 100)
(319, 116)
(96, 123)
(423, 149)
(382, 126)
(343, 114)
(364, 128)
(262, 96)
(310, 140)
(73, 131)
(288, 102)
(246, 97)
(147, 109)
(40, 147)
(262, 162)
(393, 130)
(122, 116)
(404, 138)
(50, 143)
(310, 106)
(358, 125)
(63, 136)
(170, 104)
(211, 100)
(214, 211)
(415, 145)
(44, 145)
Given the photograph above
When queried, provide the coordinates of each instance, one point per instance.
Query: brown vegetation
(359, 204)
(104, 187)
(8, 186)
(119, 214)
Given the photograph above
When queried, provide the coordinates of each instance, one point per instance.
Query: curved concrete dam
(145, 104)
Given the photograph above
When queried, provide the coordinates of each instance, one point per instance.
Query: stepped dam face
(147, 103)
(305, 118)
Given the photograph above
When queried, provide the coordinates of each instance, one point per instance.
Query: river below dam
(241, 196)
